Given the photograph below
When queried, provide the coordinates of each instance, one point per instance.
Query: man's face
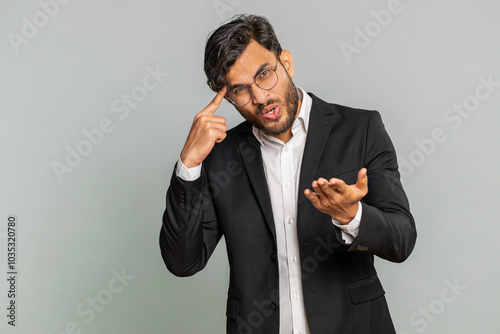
(271, 111)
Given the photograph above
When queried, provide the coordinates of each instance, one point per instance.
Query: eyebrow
(260, 69)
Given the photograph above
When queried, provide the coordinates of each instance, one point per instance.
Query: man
(304, 192)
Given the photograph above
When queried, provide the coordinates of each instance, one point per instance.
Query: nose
(259, 95)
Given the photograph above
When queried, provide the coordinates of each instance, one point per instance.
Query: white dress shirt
(282, 163)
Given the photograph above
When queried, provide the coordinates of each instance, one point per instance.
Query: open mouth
(271, 112)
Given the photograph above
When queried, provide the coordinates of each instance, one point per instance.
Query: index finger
(214, 105)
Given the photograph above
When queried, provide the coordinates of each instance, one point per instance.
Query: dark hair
(226, 44)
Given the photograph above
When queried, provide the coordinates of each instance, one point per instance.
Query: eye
(238, 90)
(264, 74)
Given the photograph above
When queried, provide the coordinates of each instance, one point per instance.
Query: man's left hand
(336, 198)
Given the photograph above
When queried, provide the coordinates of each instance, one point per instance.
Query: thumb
(362, 182)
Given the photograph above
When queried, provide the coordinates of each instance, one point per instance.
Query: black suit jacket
(342, 293)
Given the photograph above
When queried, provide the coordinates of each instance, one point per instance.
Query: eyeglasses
(267, 79)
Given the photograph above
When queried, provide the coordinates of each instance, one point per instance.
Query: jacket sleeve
(190, 230)
(387, 228)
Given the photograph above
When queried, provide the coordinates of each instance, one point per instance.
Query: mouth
(272, 111)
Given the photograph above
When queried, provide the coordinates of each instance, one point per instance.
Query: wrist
(188, 162)
(348, 215)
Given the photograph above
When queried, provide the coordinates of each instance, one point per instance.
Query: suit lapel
(321, 120)
(251, 155)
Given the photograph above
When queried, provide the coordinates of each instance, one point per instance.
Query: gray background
(105, 215)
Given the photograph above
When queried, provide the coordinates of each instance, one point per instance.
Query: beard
(285, 120)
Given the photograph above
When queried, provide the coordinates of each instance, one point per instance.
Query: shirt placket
(288, 182)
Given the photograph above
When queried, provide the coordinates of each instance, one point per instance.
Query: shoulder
(344, 112)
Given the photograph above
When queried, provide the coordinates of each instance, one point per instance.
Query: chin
(278, 128)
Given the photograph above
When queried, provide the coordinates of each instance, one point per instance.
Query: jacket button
(273, 257)
(273, 306)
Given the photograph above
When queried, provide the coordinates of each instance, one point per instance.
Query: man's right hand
(206, 130)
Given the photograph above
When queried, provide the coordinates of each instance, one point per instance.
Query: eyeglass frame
(249, 86)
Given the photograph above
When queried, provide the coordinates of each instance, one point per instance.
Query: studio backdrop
(97, 98)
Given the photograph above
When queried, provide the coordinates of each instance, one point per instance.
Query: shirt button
(290, 221)
(286, 148)
(296, 296)
(287, 185)
(294, 258)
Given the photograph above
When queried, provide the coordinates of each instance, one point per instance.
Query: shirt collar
(301, 122)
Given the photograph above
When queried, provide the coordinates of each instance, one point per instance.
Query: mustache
(268, 102)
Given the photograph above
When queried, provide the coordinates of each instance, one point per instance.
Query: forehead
(247, 65)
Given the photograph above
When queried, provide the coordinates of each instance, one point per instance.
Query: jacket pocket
(365, 290)
(232, 308)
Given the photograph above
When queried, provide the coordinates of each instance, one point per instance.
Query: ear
(287, 61)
